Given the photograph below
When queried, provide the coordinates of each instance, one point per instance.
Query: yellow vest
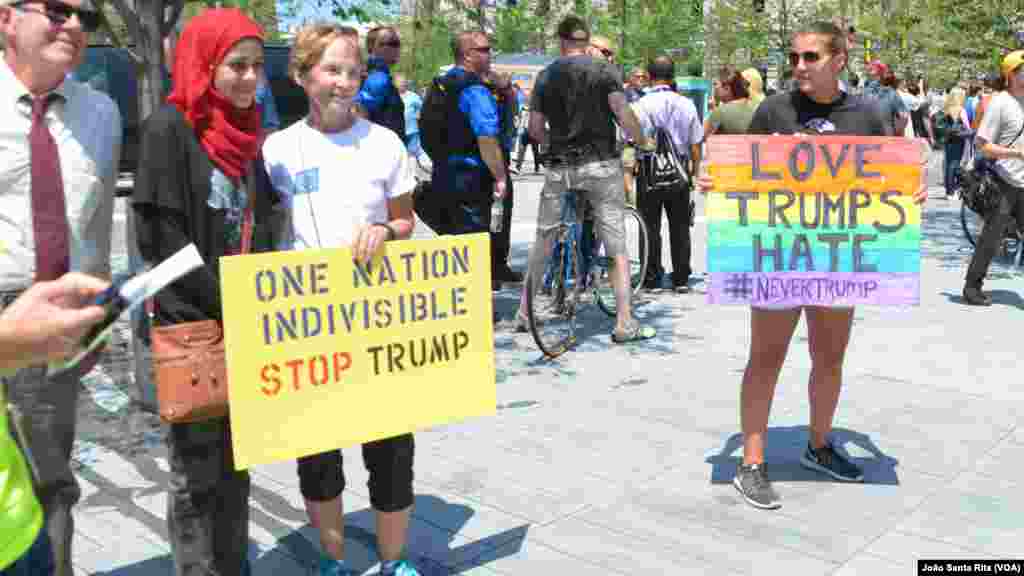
(21, 516)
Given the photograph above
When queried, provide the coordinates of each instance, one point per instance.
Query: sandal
(522, 324)
(636, 333)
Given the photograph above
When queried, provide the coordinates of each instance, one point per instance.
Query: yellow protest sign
(323, 353)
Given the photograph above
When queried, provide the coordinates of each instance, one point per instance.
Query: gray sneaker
(827, 460)
(752, 482)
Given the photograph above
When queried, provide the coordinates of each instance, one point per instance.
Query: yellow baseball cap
(1011, 61)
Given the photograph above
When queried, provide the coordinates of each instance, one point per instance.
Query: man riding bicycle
(571, 109)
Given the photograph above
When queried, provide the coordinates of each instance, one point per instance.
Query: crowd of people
(210, 175)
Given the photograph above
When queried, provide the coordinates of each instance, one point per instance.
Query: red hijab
(231, 136)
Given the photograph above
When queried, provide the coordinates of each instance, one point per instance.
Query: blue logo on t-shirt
(307, 181)
(819, 126)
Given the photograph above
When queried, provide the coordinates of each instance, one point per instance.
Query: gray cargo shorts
(602, 185)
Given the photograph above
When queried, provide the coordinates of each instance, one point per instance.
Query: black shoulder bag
(980, 185)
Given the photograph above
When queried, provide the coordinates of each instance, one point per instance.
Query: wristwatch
(392, 234)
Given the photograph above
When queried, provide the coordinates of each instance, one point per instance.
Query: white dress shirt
(674, 113)
(86, 126)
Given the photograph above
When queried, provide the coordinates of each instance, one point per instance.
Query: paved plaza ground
(619, 460)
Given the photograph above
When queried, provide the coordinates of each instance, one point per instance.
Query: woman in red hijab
(199, 181)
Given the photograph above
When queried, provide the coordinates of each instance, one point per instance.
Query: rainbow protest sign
(821, 221)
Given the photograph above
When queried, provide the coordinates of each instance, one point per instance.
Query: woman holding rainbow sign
(818, 106)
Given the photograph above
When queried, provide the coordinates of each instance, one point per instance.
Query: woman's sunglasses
(58, 13)
(810, 57)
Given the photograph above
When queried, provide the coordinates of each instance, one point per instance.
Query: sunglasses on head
(58, 13)
(810, 57)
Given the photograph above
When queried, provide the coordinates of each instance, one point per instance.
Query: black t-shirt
(172, 187)
(572, 94)
(793, 112)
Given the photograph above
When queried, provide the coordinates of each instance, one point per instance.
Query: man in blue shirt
(378, 96)
(474, 174)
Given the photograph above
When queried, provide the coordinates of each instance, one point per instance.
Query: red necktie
(49, 218)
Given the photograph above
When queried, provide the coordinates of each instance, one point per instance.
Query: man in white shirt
(60, 142)
(1001, 139)
(661, 108)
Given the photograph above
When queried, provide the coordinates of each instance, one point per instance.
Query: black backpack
(666, 167)
(442, 101)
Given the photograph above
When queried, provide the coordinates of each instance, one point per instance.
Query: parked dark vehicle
(112, 70)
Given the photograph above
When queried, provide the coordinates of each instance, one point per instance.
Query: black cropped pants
(389, 462)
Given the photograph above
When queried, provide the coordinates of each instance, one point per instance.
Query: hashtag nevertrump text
(814, 289)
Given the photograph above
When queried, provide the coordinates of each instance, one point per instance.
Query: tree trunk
(150, 22)
(149, 46)
(481, 13)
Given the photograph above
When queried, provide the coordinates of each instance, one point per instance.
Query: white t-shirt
(1002, 125)
(334, 183)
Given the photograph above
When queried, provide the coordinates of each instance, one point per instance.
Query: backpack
(951, 127)
(946, 127)
(442, 100)
(665, 167)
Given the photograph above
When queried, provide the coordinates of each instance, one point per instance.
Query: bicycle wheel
(636, 244)
(551, 301)
(971, 222)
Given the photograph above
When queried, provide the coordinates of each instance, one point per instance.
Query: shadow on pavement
(785, 444)
(999, 297)
(1007, 298)
(431, 546)
(148, 567)
(942, 237)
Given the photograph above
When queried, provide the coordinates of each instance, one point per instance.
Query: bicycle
(577, 264)
(1010, 245)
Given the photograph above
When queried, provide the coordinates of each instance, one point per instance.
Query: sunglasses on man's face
(482, 49)
(58, 13)
(392, 43)
(605, 52)
(810, 57)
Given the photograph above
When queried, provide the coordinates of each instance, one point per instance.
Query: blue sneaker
(400, 568)
(332, 567)
(827, 460)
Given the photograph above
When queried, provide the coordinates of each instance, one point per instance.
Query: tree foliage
(346, 10)
(429, 29)
(142, 25)
(654, 27)
(758, 33)
(516, 29)
(944, 40)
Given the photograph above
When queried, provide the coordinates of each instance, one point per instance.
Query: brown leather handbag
(189, 364)
(190, 371)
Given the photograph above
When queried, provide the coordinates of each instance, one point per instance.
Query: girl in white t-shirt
(346, 182)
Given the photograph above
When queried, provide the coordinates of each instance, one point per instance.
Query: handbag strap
(1021, 131)
(247, 216)
(248, 224)
(988, 163)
